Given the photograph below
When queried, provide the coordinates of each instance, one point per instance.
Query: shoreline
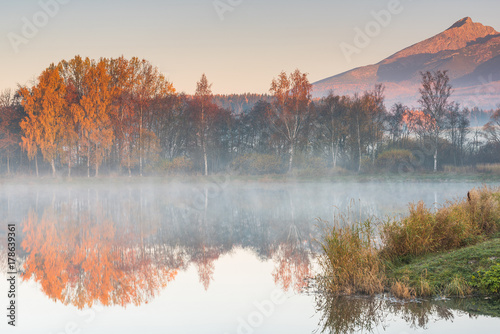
(274, 178)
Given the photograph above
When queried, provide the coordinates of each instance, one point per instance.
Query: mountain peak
(458, 36)
(469, 50)
(462, 22)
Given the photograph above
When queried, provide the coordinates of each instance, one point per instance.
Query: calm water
(218, 257)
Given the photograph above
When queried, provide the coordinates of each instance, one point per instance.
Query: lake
(213, 257)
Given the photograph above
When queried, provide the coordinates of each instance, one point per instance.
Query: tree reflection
(350, 314)
(85, 260)
(113, 247)
(204, 261)
(293, 265)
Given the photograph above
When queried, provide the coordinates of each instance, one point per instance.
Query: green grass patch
(448, 273)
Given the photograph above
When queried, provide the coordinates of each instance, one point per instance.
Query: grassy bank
(454, 251)
(456, 272)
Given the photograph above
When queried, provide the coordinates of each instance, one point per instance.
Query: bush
(488, 281)
(257, 164)
(395, 161)
(179, 165)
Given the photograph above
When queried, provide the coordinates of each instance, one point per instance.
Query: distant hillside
(469, 51)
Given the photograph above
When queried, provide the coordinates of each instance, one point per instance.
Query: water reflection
(120, 248)
(345, 314)
(83, 258)
(123, 244)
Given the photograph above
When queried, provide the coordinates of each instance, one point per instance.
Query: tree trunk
(140, 145)
(292, 151)
(69, 163)
(205, 157)
(8, 165)
(128, 163)
(436, 154)
(359, 147)
(88, 161)
(96, 169)
(53, 165)
(36, 164)
(435, 159)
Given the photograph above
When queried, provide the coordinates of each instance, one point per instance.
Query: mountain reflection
(119, 248)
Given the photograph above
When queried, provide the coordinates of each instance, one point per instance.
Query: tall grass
(349, 261)
(456, 224)
(489, 168)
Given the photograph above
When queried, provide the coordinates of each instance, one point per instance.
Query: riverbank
(452, 251)
(440, 177)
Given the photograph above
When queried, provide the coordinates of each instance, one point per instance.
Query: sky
(241, 45)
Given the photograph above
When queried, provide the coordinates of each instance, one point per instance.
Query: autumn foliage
(88, 261)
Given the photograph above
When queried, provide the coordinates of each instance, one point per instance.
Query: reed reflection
(351, 314)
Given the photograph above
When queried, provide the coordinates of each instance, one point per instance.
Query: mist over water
(140, 249)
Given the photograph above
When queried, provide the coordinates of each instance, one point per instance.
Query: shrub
(489, 280)
(179, 165)
(489, 168)
(394, 161)
(259, 164)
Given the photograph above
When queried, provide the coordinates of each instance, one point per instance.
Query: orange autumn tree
(87, 261)
(93, 114)
(418, 122)
(45, 104)
(123, 113)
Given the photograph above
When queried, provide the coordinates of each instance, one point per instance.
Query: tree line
(124, 117)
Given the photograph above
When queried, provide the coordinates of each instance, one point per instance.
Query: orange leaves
(418, 121)
(293, 267)
(80, 106)
(45, 104)
(83, 262)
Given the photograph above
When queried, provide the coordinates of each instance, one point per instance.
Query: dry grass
(424, 288)
(455, 225)
(451, 169)
(350, 261)
(489, 168)
(458, 287)
(402, 290)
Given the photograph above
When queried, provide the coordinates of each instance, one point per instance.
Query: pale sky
(253, 42)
